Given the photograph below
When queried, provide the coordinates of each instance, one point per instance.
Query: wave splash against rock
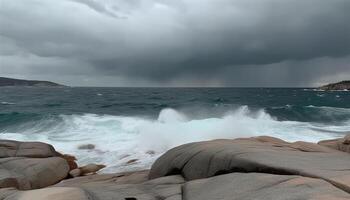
(261, 168)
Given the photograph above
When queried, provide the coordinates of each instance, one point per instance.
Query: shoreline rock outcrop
(32, 173)
(30, 165)
(255, 155)
(343, 85)
(260, 168)
(251, 155)
(10, 148)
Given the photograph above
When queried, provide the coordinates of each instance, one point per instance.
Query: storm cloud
(176, 43)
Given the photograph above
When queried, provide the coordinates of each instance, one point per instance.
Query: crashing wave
(120, 139)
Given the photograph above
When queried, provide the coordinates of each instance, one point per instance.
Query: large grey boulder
(31, 165)
(10, 148)
(255, 186)
(32, 173)
(263, 155)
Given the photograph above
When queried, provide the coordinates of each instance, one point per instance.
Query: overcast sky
(176, 42)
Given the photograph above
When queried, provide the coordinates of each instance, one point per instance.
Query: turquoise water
(128, 123)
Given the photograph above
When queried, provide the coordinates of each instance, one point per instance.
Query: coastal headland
(8, 82)
(340, 86)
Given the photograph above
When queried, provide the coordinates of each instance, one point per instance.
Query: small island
(343, 85)
(32, 83)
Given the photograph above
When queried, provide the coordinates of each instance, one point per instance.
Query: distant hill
(20, 82)
(343, 85)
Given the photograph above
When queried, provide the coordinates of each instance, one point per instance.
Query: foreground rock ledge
(261, 168)
(261, 155)
(30, 165)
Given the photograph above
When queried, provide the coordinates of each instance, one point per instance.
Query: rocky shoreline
(340, 86)
(11, 82)
(261, 168)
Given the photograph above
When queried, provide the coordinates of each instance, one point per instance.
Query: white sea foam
(6, 103)
(119, 139)
(331, 109)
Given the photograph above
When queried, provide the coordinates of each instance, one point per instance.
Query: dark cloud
(99, 7)
(177, 43)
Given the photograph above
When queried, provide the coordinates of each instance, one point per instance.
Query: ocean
(140, 124)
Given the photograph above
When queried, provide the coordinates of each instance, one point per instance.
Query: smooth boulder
(32, 173)
(10, 148)
(261, 155)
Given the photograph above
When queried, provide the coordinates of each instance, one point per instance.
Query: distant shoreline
(340, 86)
(11, 82)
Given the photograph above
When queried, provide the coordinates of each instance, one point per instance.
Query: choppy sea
(142, 123)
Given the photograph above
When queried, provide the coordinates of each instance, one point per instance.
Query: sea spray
(119, 139)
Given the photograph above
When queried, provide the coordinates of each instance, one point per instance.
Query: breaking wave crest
(140, 140)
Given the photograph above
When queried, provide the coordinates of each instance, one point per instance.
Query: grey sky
(176, 43)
